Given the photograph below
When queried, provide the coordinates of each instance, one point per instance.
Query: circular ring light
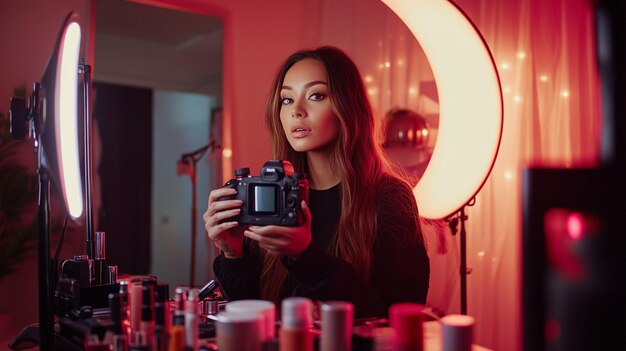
(66, 112)
(61, 138)
(470, 100)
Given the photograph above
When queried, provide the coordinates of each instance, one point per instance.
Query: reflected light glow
(470, 97)
(66, 123)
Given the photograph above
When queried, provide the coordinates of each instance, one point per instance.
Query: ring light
(60, 137)
(470, 97)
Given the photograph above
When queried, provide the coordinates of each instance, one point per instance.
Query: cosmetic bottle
(406, 320)
(337, 320)
(239, 331)
(266, 311)
(297, 321)
(191, 320)
(177, 331)
(100, 268)
(125, 308)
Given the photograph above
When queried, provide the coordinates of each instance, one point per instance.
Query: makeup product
(161, 321)
(180, 297)
(406, 320)
(266, 311)
(147, 313)
(120, 342)
(125, 308)
(337, 320)
(457, 332)
(100, 273)
(297, 321)
(111, 275)
(177, 331)
(135, 304)
(207, 290)
(239, 331)
(208, 308)
(191, 320)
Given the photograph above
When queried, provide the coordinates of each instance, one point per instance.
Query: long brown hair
(356, 157)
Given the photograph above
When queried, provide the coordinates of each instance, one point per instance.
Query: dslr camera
(272, 198)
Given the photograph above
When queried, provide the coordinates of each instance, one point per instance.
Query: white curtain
(545, 53)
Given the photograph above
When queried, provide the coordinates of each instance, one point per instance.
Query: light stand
(454, 220)
(51, 115)
(187, 165)
(46, 318)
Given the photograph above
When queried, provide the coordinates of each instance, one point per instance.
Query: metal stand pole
(463, 269)
(194, 215)
(188, 165)
(86, 72)
(46, 318)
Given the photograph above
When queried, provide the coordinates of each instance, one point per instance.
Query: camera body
(273, 198)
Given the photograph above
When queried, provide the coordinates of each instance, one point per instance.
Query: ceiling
(146, 46)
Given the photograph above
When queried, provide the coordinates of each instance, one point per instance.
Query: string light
(505, 66)
(412, 91)
(565, 93)
(508, 175)
(543, 78)
(387, 64)
(507, 89)
(517, 98)
(521, 55)
(369, 79)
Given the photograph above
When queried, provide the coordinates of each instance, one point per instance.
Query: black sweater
(400, 266)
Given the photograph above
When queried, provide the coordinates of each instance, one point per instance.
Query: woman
(361, 241)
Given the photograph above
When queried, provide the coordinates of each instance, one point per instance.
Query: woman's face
(306, 114)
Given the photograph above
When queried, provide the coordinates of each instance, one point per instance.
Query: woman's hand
(284, 241)
(227, 235)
